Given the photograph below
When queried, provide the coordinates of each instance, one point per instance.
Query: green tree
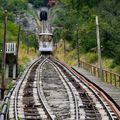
(82, 13)
(38, 3)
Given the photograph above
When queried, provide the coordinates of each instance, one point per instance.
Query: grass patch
(71, 58)
(10, 84)
(89, 57)
(25, 58)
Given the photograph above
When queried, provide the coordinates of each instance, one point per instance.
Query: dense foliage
(38, 3)
(14, 7)
(80, 14)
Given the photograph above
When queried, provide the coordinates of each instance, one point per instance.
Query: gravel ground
(55, 92)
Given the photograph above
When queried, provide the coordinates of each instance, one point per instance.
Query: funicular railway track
(95, 104)
(50, 91)
(25, 102)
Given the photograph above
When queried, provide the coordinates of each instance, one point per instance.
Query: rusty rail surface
(108, 76)
(92, 87)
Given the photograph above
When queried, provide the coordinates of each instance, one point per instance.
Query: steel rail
(4, 113)
(40, 96)
(94, 107)
(19, 85)
(74, 96)
(100, 93)
(76, 106)
(93, 89)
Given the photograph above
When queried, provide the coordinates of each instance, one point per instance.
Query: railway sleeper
(33, 117)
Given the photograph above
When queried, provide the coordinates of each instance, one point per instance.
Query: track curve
(50, 90)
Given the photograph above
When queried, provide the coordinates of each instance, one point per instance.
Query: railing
(108, 76)
(11, 48)
(4, 115)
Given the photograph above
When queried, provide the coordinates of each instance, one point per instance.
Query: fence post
(110, 78)
(115, 79)
(119, 81)
(106, 75)
(98, 72)
(103, 74)
(94, 70)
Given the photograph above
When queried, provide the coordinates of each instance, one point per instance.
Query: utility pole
(27, 42)
(77, 45)
(18, 39)
(64, 47)
(99, 48)
(34, 37)
(4, 55)
(18, 44)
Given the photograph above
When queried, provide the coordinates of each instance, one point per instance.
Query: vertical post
(106, 75)
(77, 45)
(14, 71)
(35, 41)
(119, 81)
(115, 80)
(7, 71)
(99, 48)
(4, 56)
(27, 43)
(18, 44)
(56, 39)
(64, 47)
(42, 26)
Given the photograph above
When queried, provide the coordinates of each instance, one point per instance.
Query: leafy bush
(17, 5)
(91, 57)
(117, 55)
(10, 85)
(113, 65)
(20, 68)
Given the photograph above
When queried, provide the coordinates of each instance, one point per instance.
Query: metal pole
(18, 44)
(4, 56)
(27, 43)
(35, 41)
(64, 47)
(18, 40)
(99, 48)
(78, 51)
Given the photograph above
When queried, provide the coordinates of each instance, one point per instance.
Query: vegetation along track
(49, 90)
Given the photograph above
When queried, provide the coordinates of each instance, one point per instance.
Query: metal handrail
(108, 76)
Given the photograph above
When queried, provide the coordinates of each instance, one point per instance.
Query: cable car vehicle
(46, 43)
(45, 37)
